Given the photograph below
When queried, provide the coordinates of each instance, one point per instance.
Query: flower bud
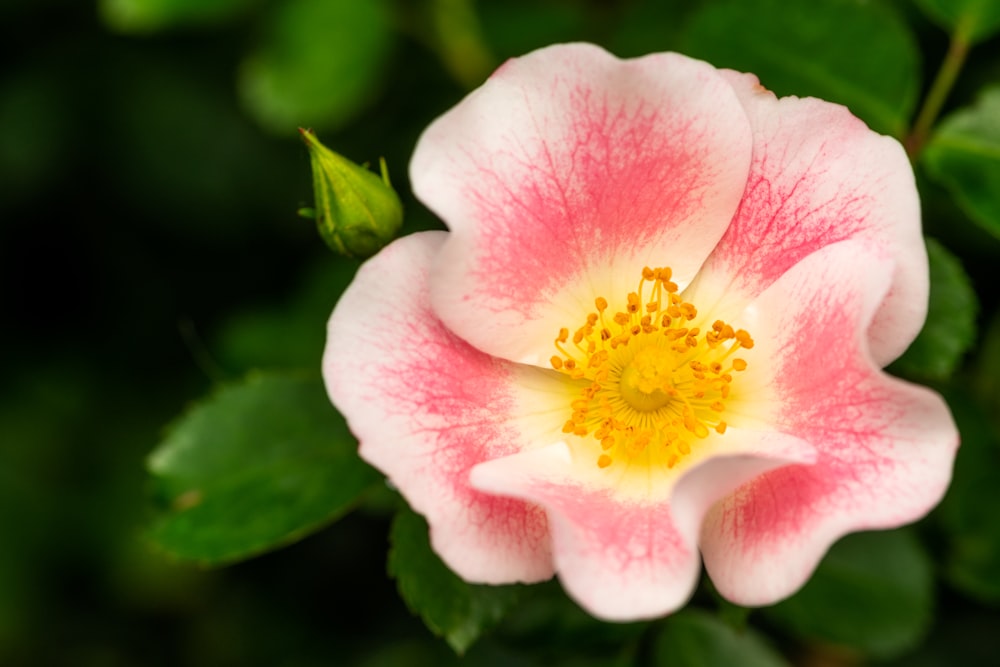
(357, 212)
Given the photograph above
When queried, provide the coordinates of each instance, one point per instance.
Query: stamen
(654, 388)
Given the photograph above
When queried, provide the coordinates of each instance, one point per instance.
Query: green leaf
(452, 608)
(555, 627)
(968, 511)
(260, 464)
(694, 638)
(823, 48)
(873, 592)
(142, 16)
(318, 65)
(974, 19)
(951, 320)
(964, 156)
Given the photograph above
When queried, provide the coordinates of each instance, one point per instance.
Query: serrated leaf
(141, 16)
(841, 39)
(968, 512)
(872, 592)
(452, 608)
(258, 465)
(951, 320)
(975, 19)
(694, 638)
(318, 64)
(964, 156)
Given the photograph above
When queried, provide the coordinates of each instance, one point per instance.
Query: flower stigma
(651, 385)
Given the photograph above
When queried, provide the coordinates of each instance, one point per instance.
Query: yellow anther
(642, 396)
(633, 302)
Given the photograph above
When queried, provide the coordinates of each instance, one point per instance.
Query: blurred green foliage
(695, 638)
(964, 156)
(452, 608)
(976, 18)
(150, 253)
(260, 464)
(825, 49)
(951, 321)
(873, 593)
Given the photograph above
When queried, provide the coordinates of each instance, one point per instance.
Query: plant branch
(958, 50)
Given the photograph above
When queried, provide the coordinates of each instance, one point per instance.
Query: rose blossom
(656, 327)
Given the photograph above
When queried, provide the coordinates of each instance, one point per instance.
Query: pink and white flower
(655, 330)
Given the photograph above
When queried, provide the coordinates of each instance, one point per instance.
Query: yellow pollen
(651, 387)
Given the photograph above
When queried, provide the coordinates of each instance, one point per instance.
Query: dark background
(149, 248)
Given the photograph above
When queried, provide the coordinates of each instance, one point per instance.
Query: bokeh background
(150, 174)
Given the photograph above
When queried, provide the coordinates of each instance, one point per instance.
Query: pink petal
(885, 448)
(621, 551)
(820, 176)
(427, 407)
(566, 173)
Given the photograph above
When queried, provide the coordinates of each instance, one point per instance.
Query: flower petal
(623, 555)
(566, 173)
(427, 407)
(885, 448)
(820, 176)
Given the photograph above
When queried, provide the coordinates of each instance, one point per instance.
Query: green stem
(958, 50)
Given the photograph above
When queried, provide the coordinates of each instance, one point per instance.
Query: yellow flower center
(651, 386)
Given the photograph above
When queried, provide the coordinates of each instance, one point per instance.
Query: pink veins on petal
(653, 334)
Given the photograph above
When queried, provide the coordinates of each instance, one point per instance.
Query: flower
(356, 211)
(655, 328)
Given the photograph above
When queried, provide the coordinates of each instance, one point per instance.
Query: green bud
(357, 212)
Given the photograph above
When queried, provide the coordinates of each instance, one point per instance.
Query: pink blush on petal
(618, 161)
(426, 407)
